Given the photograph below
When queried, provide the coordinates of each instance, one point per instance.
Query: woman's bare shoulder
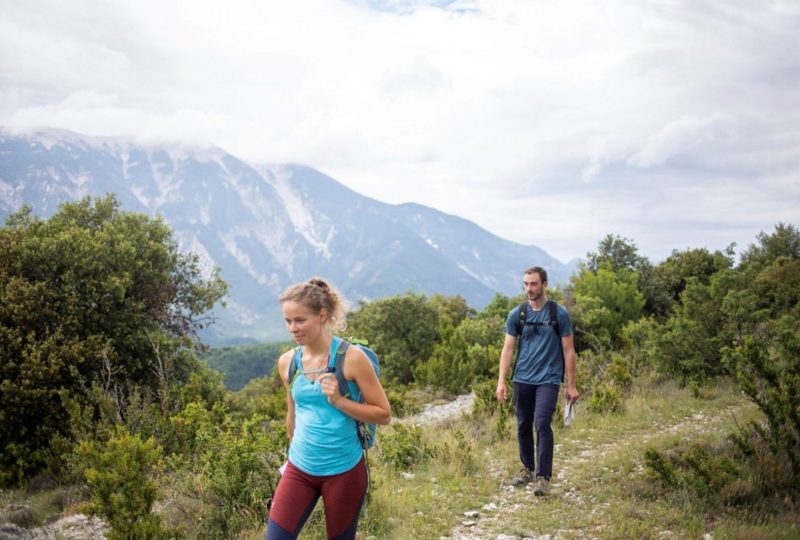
(284, 359)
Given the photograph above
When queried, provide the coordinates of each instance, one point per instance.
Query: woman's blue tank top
(325, 440)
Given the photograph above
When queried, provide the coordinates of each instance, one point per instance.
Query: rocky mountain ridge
(267, 226)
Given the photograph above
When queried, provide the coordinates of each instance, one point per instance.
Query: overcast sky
(673, 123)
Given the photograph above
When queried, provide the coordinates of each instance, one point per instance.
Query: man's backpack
(522, 322)
(367, 433)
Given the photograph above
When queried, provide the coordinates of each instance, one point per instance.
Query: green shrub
(238, 471)
(121, 475)
(607, 398)
(402, 446)
(660, 467)
(457, 450)
(619, 372)
(402, 404)
(486, 404)
(768, 370)
(708, 473)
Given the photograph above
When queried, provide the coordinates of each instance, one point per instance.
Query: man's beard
(534, 297)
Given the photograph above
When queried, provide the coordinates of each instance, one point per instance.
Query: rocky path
(73, 527)
(433, 414)
(484, 522)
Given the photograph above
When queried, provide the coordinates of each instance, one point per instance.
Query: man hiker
(546, 356)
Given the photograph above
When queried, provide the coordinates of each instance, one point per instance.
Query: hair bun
(317, 282)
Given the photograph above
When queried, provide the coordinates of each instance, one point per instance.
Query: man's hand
(502, 391)
(572, 394)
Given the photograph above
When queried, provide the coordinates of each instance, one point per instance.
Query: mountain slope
(267, 226)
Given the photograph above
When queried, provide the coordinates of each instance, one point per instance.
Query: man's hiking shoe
(525, 476)
(542, 487)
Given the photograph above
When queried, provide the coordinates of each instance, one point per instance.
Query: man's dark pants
(535, 405)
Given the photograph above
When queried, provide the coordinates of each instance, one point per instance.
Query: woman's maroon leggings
(298, 492)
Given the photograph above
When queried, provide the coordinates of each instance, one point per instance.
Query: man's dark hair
(538, 270)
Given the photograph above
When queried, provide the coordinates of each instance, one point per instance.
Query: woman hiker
(326, 458)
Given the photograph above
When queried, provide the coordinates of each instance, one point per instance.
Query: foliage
(236, 468)
(120, 473)
(703, 470)
(606, 398)
(92, 296)
(615, 253)
(500, 306)
(783, 242)
(605, 300)
(768, 370)
(452, 311)
(402, 446)
(456, 449)
(242, 363)
(402, 330)
(485, 405)
(688, 345)
(674, 273)
(204, 386)
(401, 402)
(265, 396)
(469, 353)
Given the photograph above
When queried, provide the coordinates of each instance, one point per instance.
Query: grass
(602, 489)
(39, 507)
(423, 484)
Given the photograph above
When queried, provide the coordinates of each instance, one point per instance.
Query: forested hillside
(242, 363)
(106, 409)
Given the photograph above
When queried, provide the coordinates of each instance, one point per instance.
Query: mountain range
(267, 226)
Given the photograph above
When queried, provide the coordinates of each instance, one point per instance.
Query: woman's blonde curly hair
(316, 294)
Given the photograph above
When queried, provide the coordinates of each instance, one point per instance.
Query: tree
(784, 242)
(452, 310)
(621, 254)
(468, 354)
(617, 252)
(401, 329)
(605, 300)
(92, 297)
(699, 263)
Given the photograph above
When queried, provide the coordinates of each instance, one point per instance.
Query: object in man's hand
(569, 413)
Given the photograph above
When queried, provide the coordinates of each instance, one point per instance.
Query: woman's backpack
(367, 433)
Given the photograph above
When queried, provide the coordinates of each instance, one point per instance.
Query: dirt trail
(481, 523)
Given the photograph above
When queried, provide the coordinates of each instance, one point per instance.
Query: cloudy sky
(675, 123)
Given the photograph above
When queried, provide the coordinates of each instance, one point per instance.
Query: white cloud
(671, 122)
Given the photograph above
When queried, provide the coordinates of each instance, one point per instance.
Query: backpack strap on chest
(336, 364)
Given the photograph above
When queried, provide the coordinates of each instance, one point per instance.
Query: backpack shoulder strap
(554, 317)
(557, 329)
(293, 364)
(336, 365)
(523, 315)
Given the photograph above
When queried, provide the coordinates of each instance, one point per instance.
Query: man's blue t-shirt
(539, 357)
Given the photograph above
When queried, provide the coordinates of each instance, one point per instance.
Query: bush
(457, 450)
(120, 473)
(768, 370)
(708, 473)
(238, 471)
(469, 353)
(486, 404)
(402, 446)
(402, 404)
(619, 372)
(607, 398)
